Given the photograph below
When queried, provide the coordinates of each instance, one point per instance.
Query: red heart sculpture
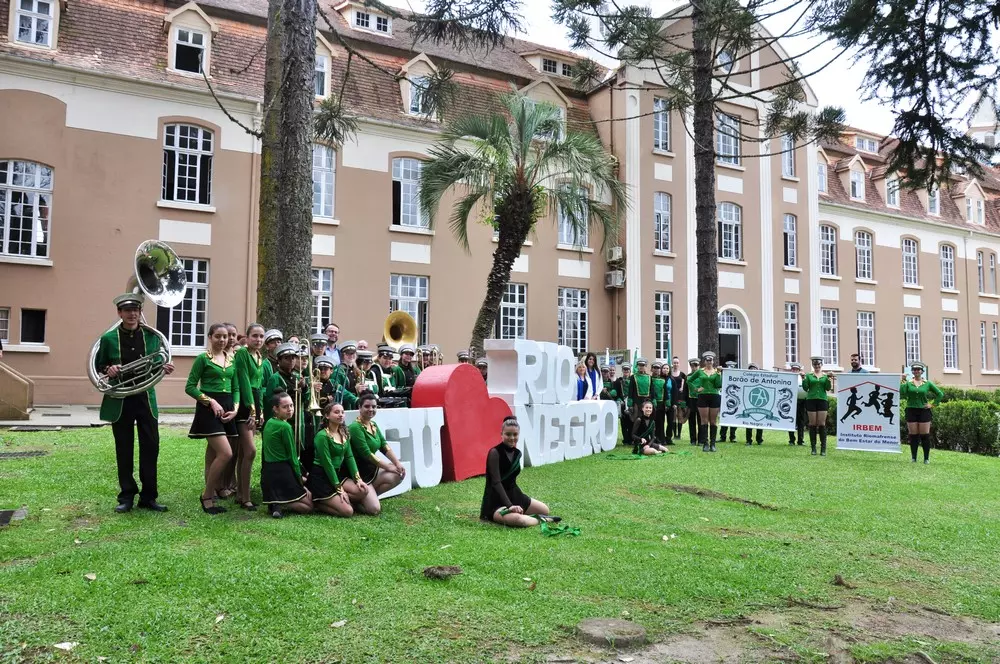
(471, 417)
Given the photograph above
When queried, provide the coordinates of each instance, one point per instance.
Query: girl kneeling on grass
(280, 474)
(503, 500)
(334, 465)
(644, 432)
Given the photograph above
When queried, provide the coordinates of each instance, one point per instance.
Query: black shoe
(152, 505)
(704, 448)
(122, 508)
(712, 448)
(276, 513)
(214, 509)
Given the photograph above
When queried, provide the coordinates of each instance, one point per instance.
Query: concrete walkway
(66, 417)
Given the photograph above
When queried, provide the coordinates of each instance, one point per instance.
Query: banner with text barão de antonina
(868, 412)
(759, 399)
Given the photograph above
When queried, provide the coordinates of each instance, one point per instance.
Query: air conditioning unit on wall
(613, 254)
(614, 279)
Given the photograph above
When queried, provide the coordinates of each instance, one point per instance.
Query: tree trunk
(270, 162)
(704, 187)
(291, 280)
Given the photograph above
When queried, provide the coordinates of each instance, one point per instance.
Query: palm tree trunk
(704, 187)
(267, 234)
(293, 261)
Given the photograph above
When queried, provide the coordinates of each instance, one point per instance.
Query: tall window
(322, 295)
(189, 50)
(791, 236)
(25, 208)
(512, 320)
(993, 273)
(858, 185)
(573, 319)
(934, 200)
(830, 336)
(322, 67)
(947, 266)
(34, 21)
(324, 172)
(787, 156)
(828, 250)
(980, 220)
(569, 233)
(892, 192)
(863, 255)
(661, 321)
(996, 346)
(911, 273)
(911, 338)
(980, 272)
(949, 330)
(866, 337)
(409, 293)
(791, 332)
(185, 325)
(730, 231)
(661, 124)
(661, 221)
(419, 103)
(821, 177)
(983, 358)
(4, 324)
(405, 193)
(727, 139)
(187, 164)
(554, 133)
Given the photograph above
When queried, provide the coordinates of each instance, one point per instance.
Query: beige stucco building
(106, 142)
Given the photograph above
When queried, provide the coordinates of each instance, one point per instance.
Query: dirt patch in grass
(410, 515)
(717, 495)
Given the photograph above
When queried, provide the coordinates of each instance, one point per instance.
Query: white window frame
(362, 20)
(866, 144)
(980, 272)
(892, 192)
(946, 252)
(730, 217)
(566, 70)
(186, 325)
(934, 201)
(911, 339)
(828, 250)
(321, 285)
(662, 324)
(568, 234)
(572, 313)
(727, 139)
(864, 261)
(662, 204)
(381, 21)
(547, 136)
(417, 103)
(830, 336)
(993, 273)
(787, 156)
(411, 293)
(512, 319)
(949, 335)
(791, 332)
(911, 261)
(661, 124)
(26, 184)
(821, 170)
(35, 19)
(190, 43)
(790, 236)
(193, 159)
(324, 175)
(983, 354)
(5, 324)
(857, 185)
(866, 338)
(545, 66)
(321, 73)
(406, 171)
(996, 346)
(980, 212)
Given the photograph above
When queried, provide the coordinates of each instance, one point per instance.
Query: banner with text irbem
(868, 412)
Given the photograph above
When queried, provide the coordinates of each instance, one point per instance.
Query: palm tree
(517, 165)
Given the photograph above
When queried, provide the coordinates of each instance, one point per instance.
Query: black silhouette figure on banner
(873, 399)
(852, 405)
(887, 405)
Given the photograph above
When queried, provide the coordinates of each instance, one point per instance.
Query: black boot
(926, 442)
(723, 431)
(703, 438)
(713, 428)
(812, 439)
(914, 440)
(822, 441)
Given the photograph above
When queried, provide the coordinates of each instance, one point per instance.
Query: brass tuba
(159, 274)
(399, 329)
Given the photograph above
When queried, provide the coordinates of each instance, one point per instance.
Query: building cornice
(914, 222)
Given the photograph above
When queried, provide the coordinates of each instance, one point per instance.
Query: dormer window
(365, 20)
(567, 70)
(866, 144)
(418, 98)
(362, 20)
(892, 192)
(933, 201)
(858, 185)
(549, 66)
(189, 50)
(974, 211)
(34, 20)
(322, 69)
(382, 24)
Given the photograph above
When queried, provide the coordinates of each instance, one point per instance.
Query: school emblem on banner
(759, 399)
(758, 403)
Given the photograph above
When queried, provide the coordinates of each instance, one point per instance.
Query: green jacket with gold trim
(109, 353)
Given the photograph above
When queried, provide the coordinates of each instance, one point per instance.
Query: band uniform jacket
(108, 354)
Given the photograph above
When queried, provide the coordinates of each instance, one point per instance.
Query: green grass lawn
(924, 535)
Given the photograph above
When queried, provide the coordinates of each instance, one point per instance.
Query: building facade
(109, 141)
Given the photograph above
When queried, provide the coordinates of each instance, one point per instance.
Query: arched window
(828, 250)
(730, 231)
(947, 266)
(728, 322)
(187, 164)
(911, 272)
(25, 208)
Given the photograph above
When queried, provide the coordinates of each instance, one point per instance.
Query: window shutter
(422, 321)
(169, 167)
(397, 195)
(163, 321)
(205, 180)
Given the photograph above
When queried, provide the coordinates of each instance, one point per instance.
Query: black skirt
(279, 484)
(205, 422)
(817, 405)
(319, 484)
(709, 400)
(491, 503)
(918, 415)
(367, 469)
(243, 413)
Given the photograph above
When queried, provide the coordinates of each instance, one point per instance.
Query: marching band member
(212, 383)
(800, 408)
(344, 375)
(484, 367)
(817, 384)
(693, 419)
(317, 346)
(640, 386)
(327, 390)
(503, 501)
(127, 343)
(921, 396)
(382, 370)
(463, 357)
(644, 431)
(366, 379)
(608, 391)
(404, 376)
(281, 480)
(332, 446)
(249, 377)
(366, 440)
(677, 413)
(425, 357)
(272, 339)
(723, 430)
(234, 335)
(623, 386)
(661, 398)
(288, 380)
(760, 432)
(709, 381)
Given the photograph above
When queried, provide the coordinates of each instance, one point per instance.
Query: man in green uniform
(124, 344)
(692, 401)
(382, 370)
(344, 375)
(661, 398)
(640, 386)
(404, 376)
(272, 338)
(622, 387)
(287, 380)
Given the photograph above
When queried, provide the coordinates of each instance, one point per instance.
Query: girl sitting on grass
(333, 446)
(280, 474)
(644, 432)
(503, 500)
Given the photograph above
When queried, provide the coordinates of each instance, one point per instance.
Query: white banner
(868, 412)
(759, 399)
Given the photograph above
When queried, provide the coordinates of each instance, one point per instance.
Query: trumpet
(302, 353)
